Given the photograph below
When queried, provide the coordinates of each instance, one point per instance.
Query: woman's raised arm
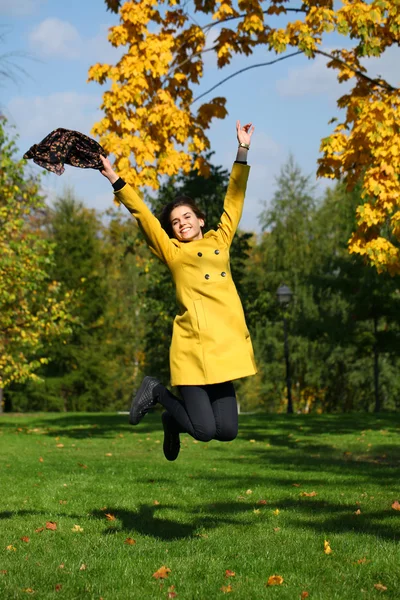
(156, 237)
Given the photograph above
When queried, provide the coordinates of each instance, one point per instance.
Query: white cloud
(39, 115)
(20, 8)
(56, 38)
(312, 78)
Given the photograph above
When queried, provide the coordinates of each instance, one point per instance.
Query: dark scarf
(64, 146)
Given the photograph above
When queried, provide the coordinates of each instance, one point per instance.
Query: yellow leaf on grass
(11, 548)
(82, 567)
(130, 541)
(110, 517)
(327, 548)
(226, 589)
(162, 573)
(357, 512)
(248, 492)
(256, 511)
(308, 494)
(156, 503)
(276, 512)
(59, 445)
(380, 587)
(76, 529)
(275, 580)
(28, 590)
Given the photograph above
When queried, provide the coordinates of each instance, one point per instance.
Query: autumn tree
(32, 309)
(153, 127)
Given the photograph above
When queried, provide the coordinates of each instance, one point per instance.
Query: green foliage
(33, 309)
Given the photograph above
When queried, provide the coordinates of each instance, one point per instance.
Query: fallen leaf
(3, 571)
(252, 441)
(82, 465)
(11, 548)
(25, 539)
(110, 517)
(241, 497)
(28, 590)
(76, 528)
(380, 587)
(82, 567)
(308, 494)
(277, 528)
(262, 502)
(130, 541)
(276, 512)
(63, 502)
(327, 548)
(61, 566)
(396, 505)
(202, 535)
(296, 484)
(275, 580)
(39, 529)
(256, 511)
(162, 573)
(108, 454)
(51, 525)
(226, 589)
(248, 492)
(357, 512)
(229, 573)
(172, 595)
(58, 587)
(304, 595)
(41, 459)
(156, 503)
(59, 445)
(362, 560)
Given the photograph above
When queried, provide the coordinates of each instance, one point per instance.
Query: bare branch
(266, 64)
(214, 23)
(379, 82)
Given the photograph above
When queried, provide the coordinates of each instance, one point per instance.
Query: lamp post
(284, 294)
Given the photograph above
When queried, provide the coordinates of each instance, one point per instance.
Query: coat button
(199, 254)
(216, 251)
(207, 276)
(223, 274)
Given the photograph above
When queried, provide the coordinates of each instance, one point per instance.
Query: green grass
(200, 515)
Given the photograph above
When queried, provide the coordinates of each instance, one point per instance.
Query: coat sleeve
(156, 237)
(233, 203)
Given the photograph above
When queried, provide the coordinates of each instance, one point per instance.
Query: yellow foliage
(153, 128)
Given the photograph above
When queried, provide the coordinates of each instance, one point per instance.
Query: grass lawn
(260, 506)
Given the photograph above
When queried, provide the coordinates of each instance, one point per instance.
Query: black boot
(171, 444)
(143, 400)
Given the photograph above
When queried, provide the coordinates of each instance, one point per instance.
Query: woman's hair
(165, 217)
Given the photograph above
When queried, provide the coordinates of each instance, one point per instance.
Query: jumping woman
(210, 345)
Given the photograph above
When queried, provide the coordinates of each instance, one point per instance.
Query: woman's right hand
(107, 170)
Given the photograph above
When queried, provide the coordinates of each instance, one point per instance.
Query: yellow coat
(210, 341)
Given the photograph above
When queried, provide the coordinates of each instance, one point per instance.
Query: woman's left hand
(244, 133)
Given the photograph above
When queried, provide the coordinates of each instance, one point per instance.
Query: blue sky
(290, 103)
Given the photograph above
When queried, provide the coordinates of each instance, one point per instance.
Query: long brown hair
(165, 217)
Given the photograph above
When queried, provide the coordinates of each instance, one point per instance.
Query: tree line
(86, 310)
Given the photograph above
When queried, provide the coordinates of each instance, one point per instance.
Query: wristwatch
(243, 145)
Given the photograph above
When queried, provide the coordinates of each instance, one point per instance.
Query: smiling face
(186, 226)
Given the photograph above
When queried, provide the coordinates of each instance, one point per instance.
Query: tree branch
(379, 82)
(266, 64)
(264, 12)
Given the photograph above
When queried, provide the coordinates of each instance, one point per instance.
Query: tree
(32, 308)
(149, 109)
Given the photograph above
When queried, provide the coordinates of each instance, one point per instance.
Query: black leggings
(205, 412)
